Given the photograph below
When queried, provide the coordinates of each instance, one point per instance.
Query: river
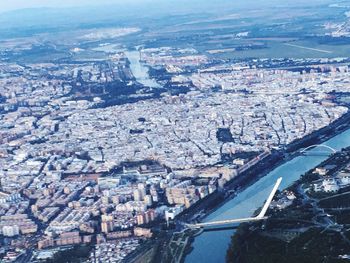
(211, 246)
(140, 71)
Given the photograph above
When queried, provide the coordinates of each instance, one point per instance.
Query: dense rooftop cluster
(75, 169)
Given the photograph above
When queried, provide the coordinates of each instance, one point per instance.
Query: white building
(10, 231)
(330, 185)
(172, 212)
(4, 197)
(344, 178)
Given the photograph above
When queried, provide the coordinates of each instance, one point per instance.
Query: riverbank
(139, 70)
(217, 201)
(291, 166)
(262, 168)
(311, 229)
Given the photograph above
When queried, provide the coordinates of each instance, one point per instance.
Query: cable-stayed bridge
(260, 216)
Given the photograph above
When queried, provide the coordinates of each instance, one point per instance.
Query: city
(117, 136)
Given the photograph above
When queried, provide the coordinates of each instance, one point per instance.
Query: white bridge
(259, 217)
(332, 150)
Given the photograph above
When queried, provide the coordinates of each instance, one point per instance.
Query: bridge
(329, 149)
(260, 216)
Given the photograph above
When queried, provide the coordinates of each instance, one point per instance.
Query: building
(330, 185)
(69, 238)
(321, 171)
(142, 232)
(25, 225)
(344, 178)
(172, 212)
(108, 182)
(137, 195)
(151, 214)
(5, 197)
(148, 200)
(46, 242)
(119, 234)
(141, 219)
(107, 226)
(10, 231)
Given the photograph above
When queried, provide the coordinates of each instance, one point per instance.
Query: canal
(140, 71)
(212, 246)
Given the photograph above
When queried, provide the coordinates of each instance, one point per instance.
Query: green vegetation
(178, 245)
(76, 254)
(337, 201)
(312, 229)
(315, 245)
(341, 217)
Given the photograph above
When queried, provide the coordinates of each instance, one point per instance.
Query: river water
(140, 71)
(211, 246)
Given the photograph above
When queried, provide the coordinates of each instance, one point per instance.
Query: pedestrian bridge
(259, 217)
(328, 150)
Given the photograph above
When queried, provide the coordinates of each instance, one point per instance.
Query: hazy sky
(8, 5)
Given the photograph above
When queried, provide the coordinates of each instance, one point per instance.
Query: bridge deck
(226, 222)
(261, 215)
(332, 150)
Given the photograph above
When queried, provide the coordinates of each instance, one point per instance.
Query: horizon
(36, 4)
(17, 5)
